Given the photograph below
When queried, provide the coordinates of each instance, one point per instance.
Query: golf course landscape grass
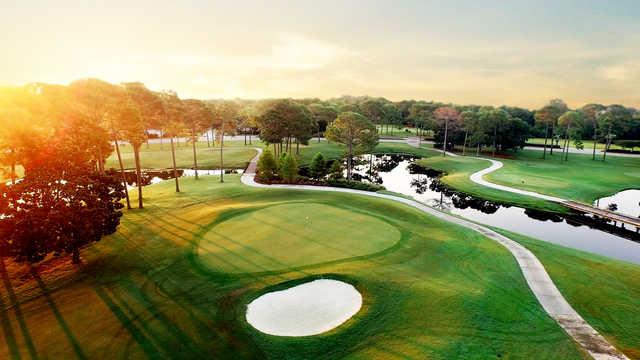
(160, 288)
(580, 178)
(157, 156)
(605, 292)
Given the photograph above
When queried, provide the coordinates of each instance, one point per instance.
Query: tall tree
(354, 131)
(592, 113)
(196, 117)
(445, 115)
(172, 115)
(225, 115)
(567, 120)
(615, 120)
(548, 116)
(148, 107)
(323, 115)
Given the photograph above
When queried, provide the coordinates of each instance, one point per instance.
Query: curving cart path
(477, 177)
(534, 272)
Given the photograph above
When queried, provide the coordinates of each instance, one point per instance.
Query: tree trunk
(136, 155)
(124, 178)
(297, 147)
(478, 150)
(195, 156)
(566, 143)
(349, 156)
(175, 169)
(444, 144)
(371, 167)
(595, 140)
(495, 138)
(221, 155)
(161, 140)
(464, 145)
(606, 147)
(250, 135)
(553, 128)
(100, 161)
(318, 132)
(546, 135)
(75, 256)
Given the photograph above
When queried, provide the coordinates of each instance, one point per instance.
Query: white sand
(306, 309)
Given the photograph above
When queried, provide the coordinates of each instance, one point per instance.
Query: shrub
(335, 172)
(318, 168)
(288, 168)
(267, 168)
(354, 185)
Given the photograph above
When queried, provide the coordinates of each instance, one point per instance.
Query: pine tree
(267, 167)
(288, 168)
(318, 168)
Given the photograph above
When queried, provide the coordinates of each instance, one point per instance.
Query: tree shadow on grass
(19, 316)
(56, 312)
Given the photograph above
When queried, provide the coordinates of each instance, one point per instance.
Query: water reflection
(400, 174)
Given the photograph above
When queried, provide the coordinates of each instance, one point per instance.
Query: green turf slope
(431, 289)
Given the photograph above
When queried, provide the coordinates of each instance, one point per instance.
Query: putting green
(292, 235)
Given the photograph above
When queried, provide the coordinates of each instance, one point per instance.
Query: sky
(488, 52)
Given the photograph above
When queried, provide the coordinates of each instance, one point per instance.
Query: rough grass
(441, 291)
(605, 292)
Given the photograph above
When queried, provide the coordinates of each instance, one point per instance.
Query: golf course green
(161, 288)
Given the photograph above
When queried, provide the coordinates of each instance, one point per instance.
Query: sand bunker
(306, 309)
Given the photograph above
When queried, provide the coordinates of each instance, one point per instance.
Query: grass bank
(605, 292)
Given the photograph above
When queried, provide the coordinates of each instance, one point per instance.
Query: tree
(121, 113)
(288, 168)
(323, 116)
(92, 98)
(445, 115)
(469, 121)
(134, 130)
(172, 124)
(63, 202)
(548, 116)
(375, 111)
(284, 120)
(616, 119)
(354, 131)
(225, 114)
(318, 167)
(592, 113)
(196, 117)
(421, 115)
(568, 119)
(335, 171)
(267, 169)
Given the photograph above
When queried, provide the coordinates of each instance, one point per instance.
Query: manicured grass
(457, 171)
(605, 292)
(588, 144)
(159, 157)
(319, 233)
(580, 178)
(439, 291)
(335, 151)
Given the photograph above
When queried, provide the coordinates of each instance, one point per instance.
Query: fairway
(293, 235)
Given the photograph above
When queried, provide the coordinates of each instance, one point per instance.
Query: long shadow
(19, 316)
(9, 336)
(56, 312)
(147, 346)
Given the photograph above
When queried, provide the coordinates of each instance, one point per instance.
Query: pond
(625, 202)
(400, 174)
